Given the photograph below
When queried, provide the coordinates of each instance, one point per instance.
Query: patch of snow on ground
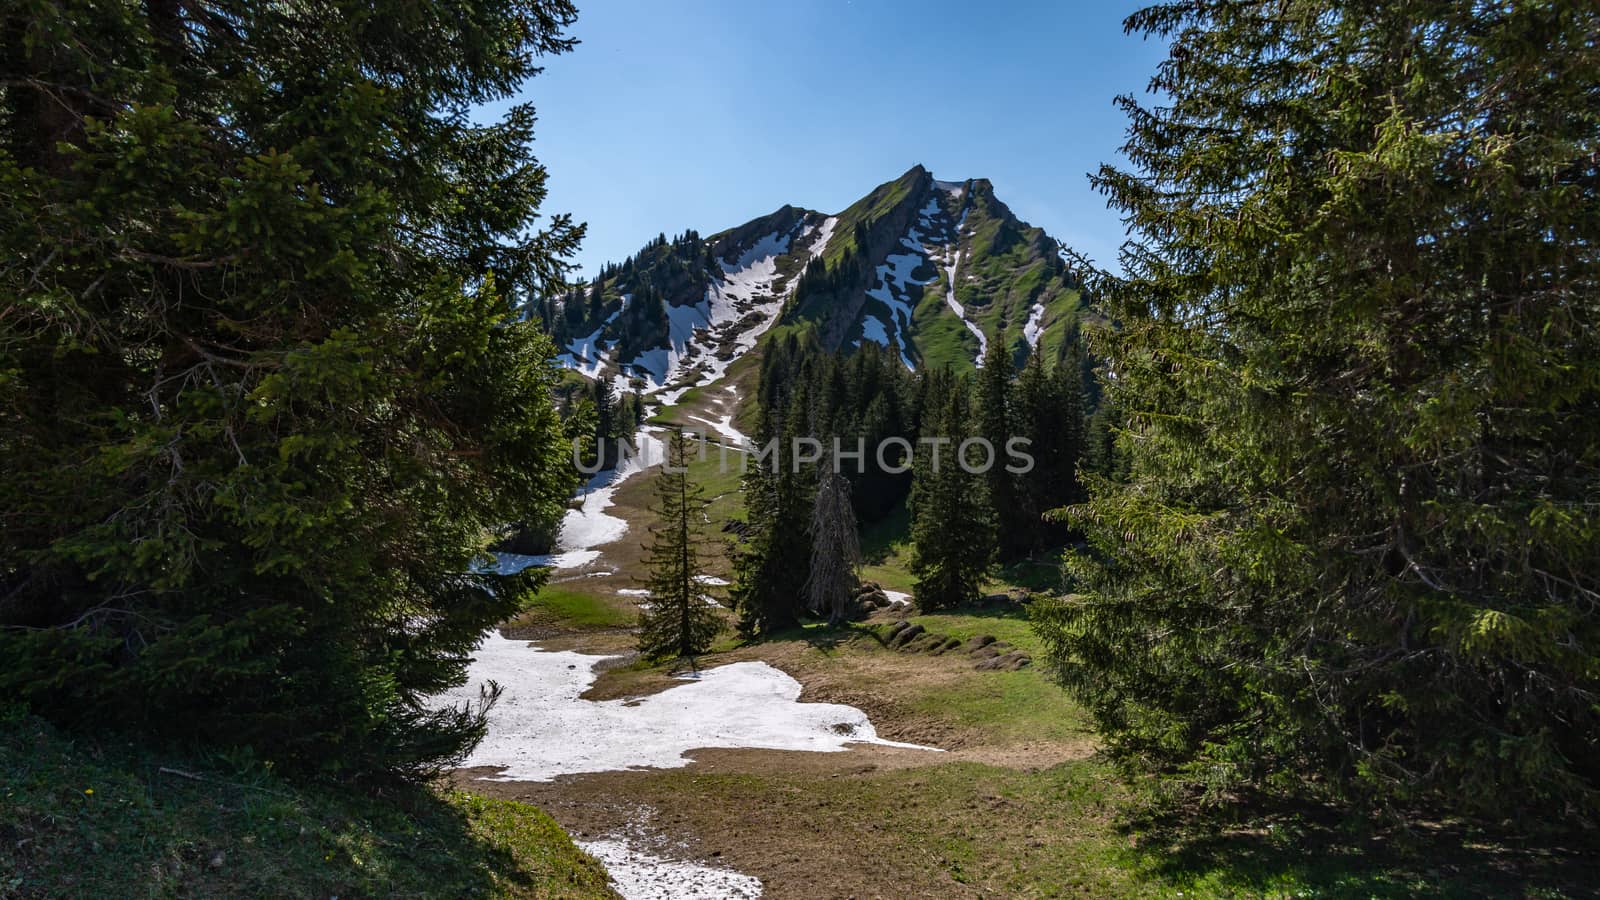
(541, 728)
(897, 598)
(651, 365)
(724, 427)
(1034, 329)
(638, 875)
(589, 526)
(512, 563)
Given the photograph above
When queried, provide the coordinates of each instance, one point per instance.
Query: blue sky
(707, 113)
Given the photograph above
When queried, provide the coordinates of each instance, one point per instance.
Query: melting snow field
(637, 875)
(589, 526)
(541, 729)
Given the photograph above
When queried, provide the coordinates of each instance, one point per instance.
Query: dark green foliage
(824, 285)
(859, 400)
(773, 560)
(997, 420)
(263, 394)
(1353, 549)
(952, 524)
(575, 311)
(91, 818)
(639, 290)
(608, 422)
(579, 426)
(1049, 413)
(679, 621)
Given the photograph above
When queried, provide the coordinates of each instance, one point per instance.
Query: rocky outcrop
(987, 653)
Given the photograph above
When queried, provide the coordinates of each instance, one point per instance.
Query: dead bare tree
(835, 548)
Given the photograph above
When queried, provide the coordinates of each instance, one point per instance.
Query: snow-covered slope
(938, 269)
(738, 297)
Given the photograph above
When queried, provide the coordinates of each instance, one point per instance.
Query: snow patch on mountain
(739, 306)
(873, 329)
(951, 271)
(895, 279)
(585, 354)
(946, 252)
(1034, 329)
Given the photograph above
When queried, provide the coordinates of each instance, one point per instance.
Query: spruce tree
(679, 621)
(952, 525)
(605, 421)
(1014, 527)
(266, 394)
(1356, 388)
(772, 561)
(1049, 413)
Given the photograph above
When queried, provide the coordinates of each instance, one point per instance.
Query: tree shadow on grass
(817, 635)
(106, 815)
(1325, 853)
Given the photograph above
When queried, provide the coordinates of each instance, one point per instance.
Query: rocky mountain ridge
(935, 269)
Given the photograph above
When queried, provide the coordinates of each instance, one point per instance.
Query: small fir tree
(680, 621)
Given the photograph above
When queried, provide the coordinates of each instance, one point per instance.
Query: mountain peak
(935, 269)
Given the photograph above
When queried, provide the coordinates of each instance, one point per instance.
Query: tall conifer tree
(952, 524)
(264, 393)
(1356, 373)
(1014, 526)
(772, 562)
(835, 548)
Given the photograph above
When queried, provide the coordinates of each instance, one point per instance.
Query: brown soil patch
(860, 830)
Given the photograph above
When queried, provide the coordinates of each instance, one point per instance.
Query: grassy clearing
(116, 820)
(562, 606)
(958, 830)
(886, 558)
(963, 826)
(1008, 706)
(886, 550)
(966, 829)
(1004, 623)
